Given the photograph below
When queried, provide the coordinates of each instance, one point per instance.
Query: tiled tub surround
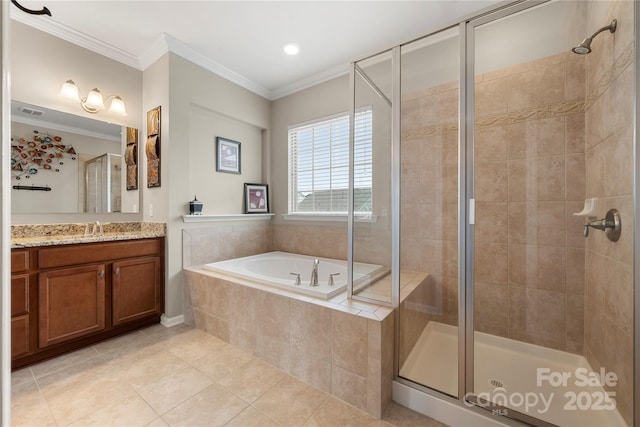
(27, 235)
(340, 346)
(221, 242)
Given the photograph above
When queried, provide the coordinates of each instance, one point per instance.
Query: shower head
(585, 47)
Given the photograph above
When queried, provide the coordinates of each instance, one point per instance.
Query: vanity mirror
(63, 163)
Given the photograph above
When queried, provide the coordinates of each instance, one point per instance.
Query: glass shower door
(552, 310)
(428, 307)
(371, 247)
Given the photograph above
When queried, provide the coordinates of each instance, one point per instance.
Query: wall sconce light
(93, 101)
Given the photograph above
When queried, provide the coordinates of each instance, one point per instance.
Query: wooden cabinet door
(137, 289)
(20, 315)
(71, 303)
(19, 335)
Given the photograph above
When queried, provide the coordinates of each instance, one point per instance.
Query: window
(319, 165)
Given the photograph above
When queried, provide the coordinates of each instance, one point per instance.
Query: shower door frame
(466, 212)
(636, 228)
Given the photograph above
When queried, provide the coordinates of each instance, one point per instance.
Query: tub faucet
(314, 273)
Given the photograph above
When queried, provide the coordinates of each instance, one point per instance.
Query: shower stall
(500, 143)
(102, 192)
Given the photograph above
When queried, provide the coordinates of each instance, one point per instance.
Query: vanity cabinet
(71, 303)
(20, 303)
(135, 289)
(70, 296)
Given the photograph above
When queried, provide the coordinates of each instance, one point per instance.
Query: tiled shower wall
(429, 208)
(529, 178)
(609, 163)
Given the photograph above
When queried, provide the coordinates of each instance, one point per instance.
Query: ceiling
(243, 40)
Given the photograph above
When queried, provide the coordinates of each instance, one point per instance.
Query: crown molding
(166, 43)
(163, 44)
(46, 24)
(307, 82)
(155, 51)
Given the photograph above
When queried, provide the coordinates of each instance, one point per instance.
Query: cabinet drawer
(19, 261)
(86, 253)
(19, 294)
(19, 336)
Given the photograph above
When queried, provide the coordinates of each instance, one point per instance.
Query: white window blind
(319, 165)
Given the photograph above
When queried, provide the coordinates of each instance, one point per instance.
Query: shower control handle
(331, 282)
(297, 283)
(611, 225)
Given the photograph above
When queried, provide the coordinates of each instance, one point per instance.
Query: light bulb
(117, 106)
(291, 48)
(70, 90)
(94, 100)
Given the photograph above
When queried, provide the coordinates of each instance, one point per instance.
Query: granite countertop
(24, 236)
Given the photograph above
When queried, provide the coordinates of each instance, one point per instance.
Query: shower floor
(513, 366)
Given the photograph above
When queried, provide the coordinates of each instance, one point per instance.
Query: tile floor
(180, 377)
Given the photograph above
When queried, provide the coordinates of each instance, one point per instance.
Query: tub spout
(314, 273)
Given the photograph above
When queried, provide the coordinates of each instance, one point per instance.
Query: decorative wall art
(256, 198)
(38, 152)
(153, 148)
(131, 158)
(227, 155)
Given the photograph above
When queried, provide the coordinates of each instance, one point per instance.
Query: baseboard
(168, 322)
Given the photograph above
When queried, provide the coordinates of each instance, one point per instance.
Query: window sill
(226, 217)
(328, 217)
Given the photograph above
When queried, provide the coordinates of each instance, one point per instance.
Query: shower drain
(496, 383)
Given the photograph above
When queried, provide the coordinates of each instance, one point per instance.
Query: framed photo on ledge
(256, 198)
(227, 155)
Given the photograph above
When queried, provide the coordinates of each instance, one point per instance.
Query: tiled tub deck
(340, 346)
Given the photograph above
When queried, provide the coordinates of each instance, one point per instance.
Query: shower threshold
(552, 385)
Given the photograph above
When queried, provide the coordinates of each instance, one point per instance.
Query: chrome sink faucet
(314, 273)
(94, 230)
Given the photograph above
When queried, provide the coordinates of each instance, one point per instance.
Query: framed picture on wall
(227, 155)
(256, 198)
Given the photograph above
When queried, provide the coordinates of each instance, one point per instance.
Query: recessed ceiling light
(291, 48)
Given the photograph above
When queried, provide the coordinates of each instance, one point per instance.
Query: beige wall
(41, 63)
(232, 112)
(609, 164)
(221, 193)
(155, 92)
